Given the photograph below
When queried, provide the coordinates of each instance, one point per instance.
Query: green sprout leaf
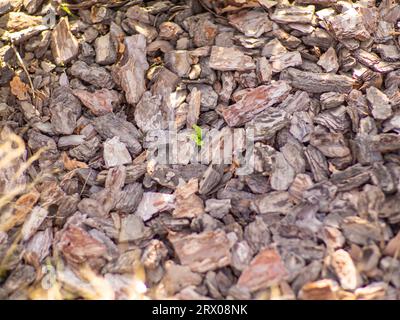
(197, 136)
(64, 7)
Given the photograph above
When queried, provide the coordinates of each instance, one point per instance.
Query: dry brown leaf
(325, 289)
(71, 164)
(393, 247)
(22, 207)
(19, 89)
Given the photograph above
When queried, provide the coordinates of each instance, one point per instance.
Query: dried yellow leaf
(71, 164)
(19, 89)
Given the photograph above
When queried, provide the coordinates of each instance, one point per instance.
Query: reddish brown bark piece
(203, 252)
(255, 101)
(349, 24)
(265, 270)
(285, 60)
(188, 204)
(100, 102)
(194, 108)
(78, 246)
(229, 59)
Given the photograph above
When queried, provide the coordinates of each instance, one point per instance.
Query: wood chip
(64, 45)
(230, 59)
(255, 101)
(265, 270)
(115, 153)
(100, 102)
(129, 73)
(77, 245)
(152, 203)
(317, 82)
(204, 251)
(345, 270)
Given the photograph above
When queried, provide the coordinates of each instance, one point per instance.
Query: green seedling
(197, 136)
(64, 7)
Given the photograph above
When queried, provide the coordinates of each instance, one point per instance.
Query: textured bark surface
(199, 149)
(317, 82)
(255, 101)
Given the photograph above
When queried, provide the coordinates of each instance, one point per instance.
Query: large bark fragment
(325, 289)
(282, 173)
(153, 203)
(295, 14)
(78, 246)
(273, 202)
(97, 76)
(100, 102)
(251, 23)
(110, 125)
(204, 251)
(255, 101)
(132, 228)
(230, 59)
(317, 82)
(265, 270)
(148, 114)
(330, 144)
(65, 110)
(329, 61)
(115, 153)
(380, 104)
(267, 123)
(349, 24)
(64, 45)
(188, 204)
(106, 52)
(40, 244)
(33, 222)
(129, 73)
(178, 61)
(285, 60)
(178, 277)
